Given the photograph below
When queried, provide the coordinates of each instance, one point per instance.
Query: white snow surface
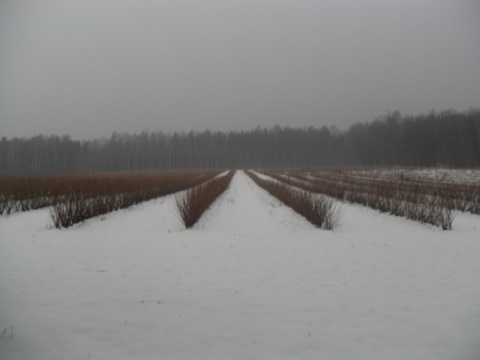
(252, 280)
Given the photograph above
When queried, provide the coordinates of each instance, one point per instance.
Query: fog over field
(88, 68)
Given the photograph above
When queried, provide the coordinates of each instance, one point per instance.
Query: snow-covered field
(252, 280)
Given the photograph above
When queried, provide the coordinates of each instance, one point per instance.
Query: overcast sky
(88, 68)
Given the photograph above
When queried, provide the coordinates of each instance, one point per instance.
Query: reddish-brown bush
(103, 194)
(320, 210)
(78, 197)
(198, 199)
(420, 202)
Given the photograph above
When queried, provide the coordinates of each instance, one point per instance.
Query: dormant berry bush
(321, 211)
(198, 199)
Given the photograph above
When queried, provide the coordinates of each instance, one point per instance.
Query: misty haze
(202, 179)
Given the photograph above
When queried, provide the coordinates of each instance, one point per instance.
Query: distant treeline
(448, 138)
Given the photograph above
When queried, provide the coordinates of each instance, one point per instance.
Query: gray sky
(87, 68)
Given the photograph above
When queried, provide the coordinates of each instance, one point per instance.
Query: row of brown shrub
(321, 211)
(457, 195)
(23, 193)
(381, 196)
(195, 201)
(104, 194)
(421, 202)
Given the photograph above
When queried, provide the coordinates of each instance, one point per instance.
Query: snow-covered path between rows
(252, 280)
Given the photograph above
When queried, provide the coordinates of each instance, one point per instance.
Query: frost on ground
(252, 280)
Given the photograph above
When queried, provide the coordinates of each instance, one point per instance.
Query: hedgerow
(321, 211)
(198, 199)
(114, 192)
(418, 203)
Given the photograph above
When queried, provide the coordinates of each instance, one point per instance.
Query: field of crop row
(400, 192)
(420, 195)
(74, 199)
(251, 273)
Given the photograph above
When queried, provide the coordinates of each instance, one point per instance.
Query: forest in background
(446, 139)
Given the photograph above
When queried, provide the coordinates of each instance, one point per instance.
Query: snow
(252, 280)
(459, 176)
